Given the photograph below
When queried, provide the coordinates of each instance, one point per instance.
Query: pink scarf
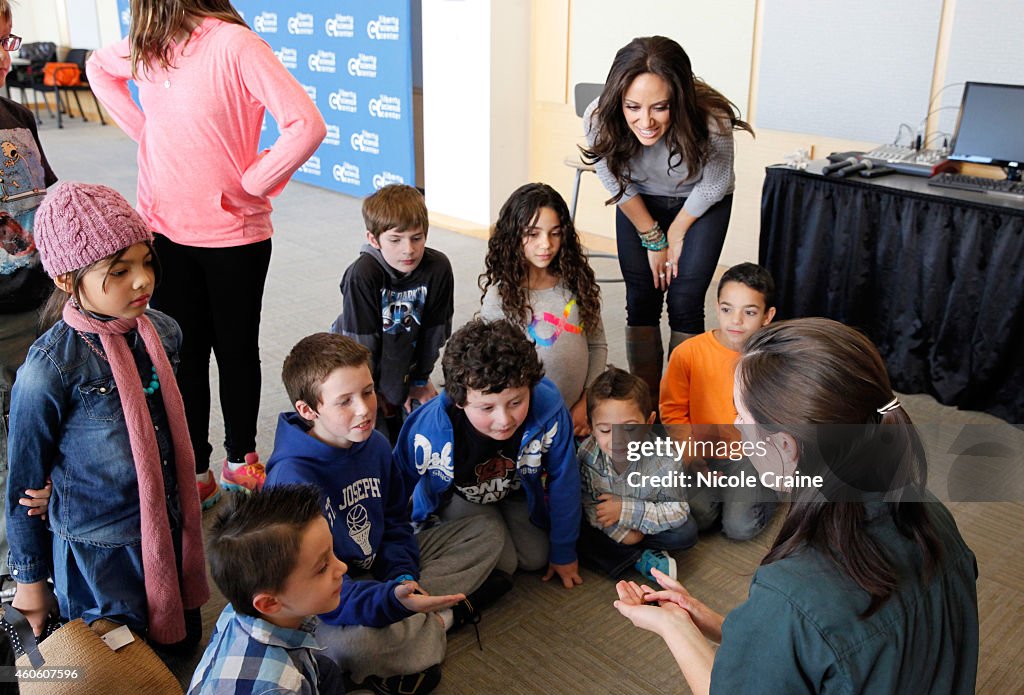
(165, 599)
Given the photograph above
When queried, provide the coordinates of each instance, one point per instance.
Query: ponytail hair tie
(890, 406)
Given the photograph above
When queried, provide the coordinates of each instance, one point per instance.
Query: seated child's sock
(447, 617)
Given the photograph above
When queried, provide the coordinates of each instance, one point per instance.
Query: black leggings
(216, 296)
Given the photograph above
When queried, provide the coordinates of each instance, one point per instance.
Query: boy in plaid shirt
(272, 556)
(626, 523)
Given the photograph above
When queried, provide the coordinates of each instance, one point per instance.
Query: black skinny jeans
(701, 249)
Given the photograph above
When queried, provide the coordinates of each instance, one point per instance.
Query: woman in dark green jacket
(869, 587)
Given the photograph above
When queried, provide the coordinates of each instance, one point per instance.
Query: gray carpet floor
(541, 638)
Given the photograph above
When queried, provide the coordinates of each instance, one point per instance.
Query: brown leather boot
(646, 356)
(676, 339)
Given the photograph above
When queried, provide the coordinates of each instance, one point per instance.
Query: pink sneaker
(209, 490)
(248, 477)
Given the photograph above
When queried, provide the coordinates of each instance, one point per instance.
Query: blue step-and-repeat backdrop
(354, 59)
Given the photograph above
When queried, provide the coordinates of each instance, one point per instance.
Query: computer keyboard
(978, 184)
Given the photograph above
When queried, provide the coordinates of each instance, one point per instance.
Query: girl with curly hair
(661, 140)
(537, 276)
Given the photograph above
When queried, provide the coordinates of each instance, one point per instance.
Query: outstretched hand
(634, 603)
(668, 620)
(409, 596)
(708, 621)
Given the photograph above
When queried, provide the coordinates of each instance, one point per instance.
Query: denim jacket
(67, 425)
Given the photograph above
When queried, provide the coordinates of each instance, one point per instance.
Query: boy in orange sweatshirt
(697, 391)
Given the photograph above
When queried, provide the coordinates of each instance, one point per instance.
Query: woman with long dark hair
(661, 140)
(869, 587)
(205, 82)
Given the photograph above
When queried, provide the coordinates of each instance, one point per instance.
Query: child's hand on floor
(422, 603)
(37, 501)
(609, 509)
(568, 573)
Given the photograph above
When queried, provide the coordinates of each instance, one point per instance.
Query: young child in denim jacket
(96, 408)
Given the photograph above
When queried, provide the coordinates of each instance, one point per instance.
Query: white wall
(718, 37)
(41, 20)
(475, 105)
(106, 15)
(67, 23)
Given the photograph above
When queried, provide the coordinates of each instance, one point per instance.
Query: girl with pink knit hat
(96, 409)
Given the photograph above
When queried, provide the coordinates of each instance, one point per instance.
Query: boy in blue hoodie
(498, 444)
(330, 441)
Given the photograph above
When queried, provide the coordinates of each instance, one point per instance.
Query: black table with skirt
(935, 277)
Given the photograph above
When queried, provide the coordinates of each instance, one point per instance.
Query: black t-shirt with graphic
(485, 468)
(24, 177)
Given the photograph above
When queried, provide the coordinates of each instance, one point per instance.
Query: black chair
(77, 56)
(583, 94)
(30, 77)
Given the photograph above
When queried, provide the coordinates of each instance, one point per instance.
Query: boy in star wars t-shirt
(398, 301)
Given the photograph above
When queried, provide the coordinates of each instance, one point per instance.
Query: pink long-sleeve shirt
(202, 179)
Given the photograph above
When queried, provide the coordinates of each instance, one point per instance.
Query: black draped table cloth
(934, 277)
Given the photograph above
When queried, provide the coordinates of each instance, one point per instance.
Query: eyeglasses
(11, 42)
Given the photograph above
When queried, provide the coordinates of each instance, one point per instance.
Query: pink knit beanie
(78, 224)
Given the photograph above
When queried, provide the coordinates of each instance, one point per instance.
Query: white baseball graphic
(359, 527)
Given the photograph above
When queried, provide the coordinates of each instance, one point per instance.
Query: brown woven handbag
(76, 661)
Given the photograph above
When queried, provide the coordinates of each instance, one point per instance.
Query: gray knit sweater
(573, 356)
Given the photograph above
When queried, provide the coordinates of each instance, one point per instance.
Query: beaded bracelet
(659, 245)
(653, 239)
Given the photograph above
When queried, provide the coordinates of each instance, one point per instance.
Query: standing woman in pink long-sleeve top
(205, 80)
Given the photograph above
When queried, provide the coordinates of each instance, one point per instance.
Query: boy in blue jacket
(498, 443)
(330, 441)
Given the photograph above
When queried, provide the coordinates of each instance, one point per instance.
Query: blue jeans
(697, 263)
